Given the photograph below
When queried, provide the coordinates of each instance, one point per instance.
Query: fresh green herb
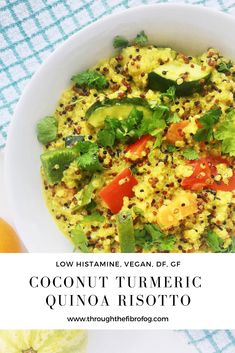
(141, 39)
(151, 235)
(79, 239)
(135, 126)
(120, 42)
(217, 244)
(214, 242)
(91, 79)
(190, 154)
(106, 137)
(171, 148)
(208, 120)
(94, 217)
(226, 133)
(88, 156)
(116, 130)
(170, 94)
(224, 67)
(85, 195)
(47, 130)
(156, 123)
(173, 118)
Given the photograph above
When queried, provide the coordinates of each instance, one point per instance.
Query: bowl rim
(9, 148)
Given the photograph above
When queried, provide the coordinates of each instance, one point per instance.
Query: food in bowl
(139, 154)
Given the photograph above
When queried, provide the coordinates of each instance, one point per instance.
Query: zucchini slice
(116, 108)
(55, 162)
(186, 78)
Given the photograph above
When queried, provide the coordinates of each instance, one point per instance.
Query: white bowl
(190, 29)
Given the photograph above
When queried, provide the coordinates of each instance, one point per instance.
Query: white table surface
(132, 341)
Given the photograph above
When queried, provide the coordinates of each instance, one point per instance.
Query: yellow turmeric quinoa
(142, 159)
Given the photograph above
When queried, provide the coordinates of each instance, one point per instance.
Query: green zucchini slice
(55, 162)
(186, 78)
(116, 108)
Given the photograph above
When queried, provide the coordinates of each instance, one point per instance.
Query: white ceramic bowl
(191, 29)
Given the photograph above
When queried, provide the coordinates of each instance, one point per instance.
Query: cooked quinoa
(189, 211)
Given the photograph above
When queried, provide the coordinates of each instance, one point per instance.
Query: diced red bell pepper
(204, 171)
(121, 186)
(135, 149)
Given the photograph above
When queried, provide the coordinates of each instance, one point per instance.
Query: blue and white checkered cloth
(216, 341)
(29, 31)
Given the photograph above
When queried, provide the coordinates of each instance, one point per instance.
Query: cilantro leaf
(171, 148)
(156, 122)
(88, 159)
(170, 93)
(208, 120)
(173, 118)
(226, 133)
(47, 130)
(94, 217)
(106, 137)
(190, 154)
(151, 235)
(141, 39)
(91, 79)
(116, 130)
(133, 127)
(214, 241)
(120, 42)
(224, 67)
(79, 239)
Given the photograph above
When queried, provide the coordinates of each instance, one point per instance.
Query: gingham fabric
(29, 31)
(206, 341)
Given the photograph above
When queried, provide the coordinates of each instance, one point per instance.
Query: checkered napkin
(29, 31)
(206, 341)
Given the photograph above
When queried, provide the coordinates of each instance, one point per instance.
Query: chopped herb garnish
(91, 79)
(116, 130)
(217, 244)
(120, 42)
(47, 130)
(170, 93)
(151, 235)
(79, 239)
(141, 39)
(135, 126)
(224, 67)
(190, 154)
(226, 133)
(94, 217)
(88, 159)
(171, 148)
(208, 120)
(173, 118)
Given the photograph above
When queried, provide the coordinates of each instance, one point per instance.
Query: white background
(22, 307)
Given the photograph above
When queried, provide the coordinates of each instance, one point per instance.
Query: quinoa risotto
(139, 154)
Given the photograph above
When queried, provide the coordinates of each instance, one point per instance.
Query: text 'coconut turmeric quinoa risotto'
(139, 154)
